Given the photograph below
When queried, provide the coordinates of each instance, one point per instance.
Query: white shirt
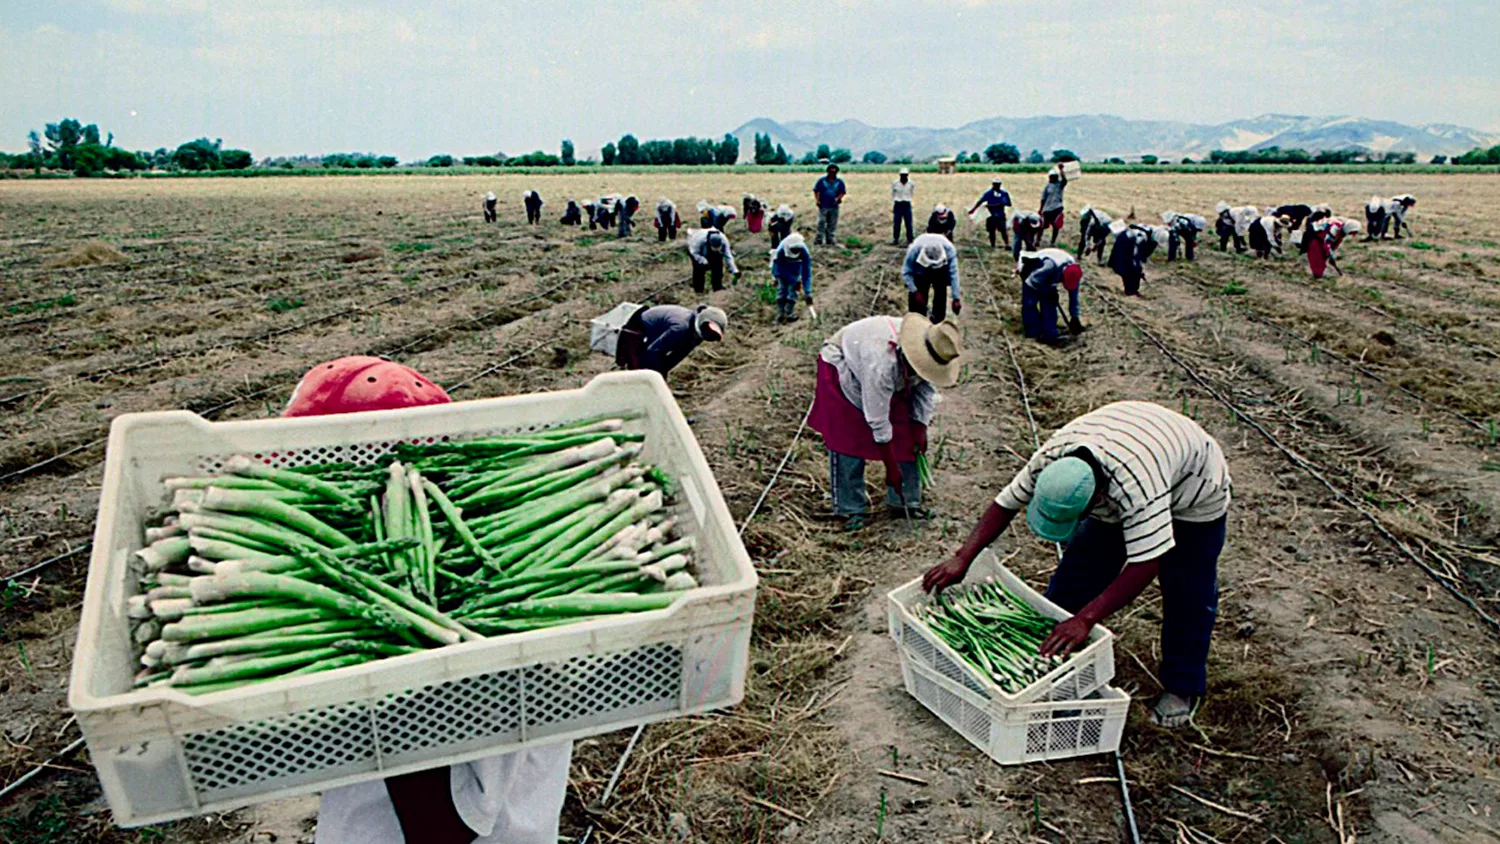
(1162, 466)
(902, 193)
(512, 798)
(864, 353)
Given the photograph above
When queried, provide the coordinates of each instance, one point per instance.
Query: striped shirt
(1160, 466)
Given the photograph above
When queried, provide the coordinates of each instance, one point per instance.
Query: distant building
(947, 165)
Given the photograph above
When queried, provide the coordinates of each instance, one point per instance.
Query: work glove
(808, 300)
(958, 307)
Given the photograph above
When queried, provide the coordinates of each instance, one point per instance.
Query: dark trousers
(931, 295)
(1039, 313)
(847, 480)
(703, 273)
(665, 231)
(996, 223)
(778, 232)
(900, 213)
(489, 213)
(1185, 241)
(533, 214)
(1189, 580)
(1239, 242)
(1132, 280)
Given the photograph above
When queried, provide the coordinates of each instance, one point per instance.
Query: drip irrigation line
(1303, 464)
(31, 774)
(50, 561)
(1135, 833)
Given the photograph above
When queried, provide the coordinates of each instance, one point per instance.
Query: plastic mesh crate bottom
(1047, 732)
(432, 721)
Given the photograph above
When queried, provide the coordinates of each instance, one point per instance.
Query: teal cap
(1061, 497)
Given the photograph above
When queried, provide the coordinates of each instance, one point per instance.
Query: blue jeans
(847, 477)
(1039, 313)
(1189, 580)
(900, 213)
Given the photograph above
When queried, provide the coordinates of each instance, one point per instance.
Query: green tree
(386, 161)
(1439, 159)
(781, 156)
(440, 161)
(728, 150)
(873, 156)
(197, 155)
(240, 159)
(607, 154)
(1149, 159)
(809, 158)
(764, 152)
(1002, 153)
(841, 156)
(629, 150)
(1061, 155)
(824, 153)
(62, 137)
(1035, 157)
(567, 158)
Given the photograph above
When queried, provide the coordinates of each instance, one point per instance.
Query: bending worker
(901, 195)
(667, 220)
(533, 203)
(931, 275)
(711, 255)
(660, 337)
(572, 215)
(1027, 228)
(515, 797)
(995, 201)
(1137, 493)
(1041, 274)
(1093, 231)
(876, 393)
(491, 207)
(780, 224)
(791, 268)
(942, 221)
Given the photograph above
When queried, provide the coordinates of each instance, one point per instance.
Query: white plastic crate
(1085, 670)
(161, 754)
(1020, 733)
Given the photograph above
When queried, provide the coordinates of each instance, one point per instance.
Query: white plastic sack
(604, 330)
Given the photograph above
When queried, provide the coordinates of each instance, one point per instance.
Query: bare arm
(993, 523)
(1126, 587)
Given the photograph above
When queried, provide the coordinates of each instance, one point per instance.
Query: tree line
(74, 146)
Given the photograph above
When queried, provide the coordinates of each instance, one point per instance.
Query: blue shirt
(829, 191)
(996, 200)
(793, 271)
(910, 269)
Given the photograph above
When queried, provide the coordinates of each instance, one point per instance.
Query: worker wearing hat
(876, 394)
(491, 207)
(791, 269)
(902, 191)
(995, 201)
(1042, 273)
(533, 202)
(942, 221)
(829, 191)
(1136, 492)
(660, 337)
(711, 256)
(930, 272)
(516, 797)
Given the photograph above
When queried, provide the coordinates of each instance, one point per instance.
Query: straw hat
(936, 352)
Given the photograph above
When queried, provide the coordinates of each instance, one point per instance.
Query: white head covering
(793, 245)
(702, 205)
(933, 253)
(1376, 203)
(1221, 208)
(940, 208)
(903, 172)
(708, 314)
(663, 204)
(489, 197)
(783, 211)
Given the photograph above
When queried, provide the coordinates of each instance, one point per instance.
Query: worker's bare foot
(1173, 711)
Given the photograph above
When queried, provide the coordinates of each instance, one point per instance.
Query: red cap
(353, 384)
(1072, 274)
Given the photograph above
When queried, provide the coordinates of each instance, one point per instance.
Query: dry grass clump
(364, 253)
(91, 254)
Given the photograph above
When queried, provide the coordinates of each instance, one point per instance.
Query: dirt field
(1353, 679)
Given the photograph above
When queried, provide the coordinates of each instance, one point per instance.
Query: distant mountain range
(1097, 136)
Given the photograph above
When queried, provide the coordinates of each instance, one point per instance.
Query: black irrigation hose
(1303, 464)
(82, 547)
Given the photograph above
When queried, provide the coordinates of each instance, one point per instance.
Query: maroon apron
(845, 429)
(754, 219)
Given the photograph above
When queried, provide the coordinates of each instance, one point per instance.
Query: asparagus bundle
(262, 572)
(994, 631)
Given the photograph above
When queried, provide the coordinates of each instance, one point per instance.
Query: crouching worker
(755, 212)
(514, 798)
(1265, 235)
(1136, 492)
(667, 221)
(1133, 247)
(711, 255)
(1027, 230)
(658, 338)
(1323, 240)
(625, 214)
(1042, 273)
(1093, 232)
(791, 268)
(942, 221)
(533, 202)
(931, 275)
(1182, 233)
(491, 207)
(780, 224)
(1233, 223)
(572, 215)
(876, 393)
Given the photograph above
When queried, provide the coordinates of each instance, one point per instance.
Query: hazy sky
(291, 76)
